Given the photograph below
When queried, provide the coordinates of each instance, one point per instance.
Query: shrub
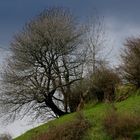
(106, 80)
(124, 91)
(131, 61)
(124, 126)
(96, 87)
(81, 92)
(74, 99)
(5, 137)
(73, 130)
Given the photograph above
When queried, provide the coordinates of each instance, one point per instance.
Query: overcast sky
(121, 14)
(122, 20)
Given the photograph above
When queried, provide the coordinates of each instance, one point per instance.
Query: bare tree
(46, 59)
(131, 61)
(95, 42)
(95, 57)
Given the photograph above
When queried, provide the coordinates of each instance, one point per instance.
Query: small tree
(131, 61)
(95, 42)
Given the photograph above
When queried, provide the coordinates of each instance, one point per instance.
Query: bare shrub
(5, 137)
(96, 87)
(78, 94)
(73, 130)
(82, 92)
(124, 126)
(105, 79)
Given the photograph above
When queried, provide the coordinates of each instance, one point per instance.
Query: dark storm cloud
(15, 13)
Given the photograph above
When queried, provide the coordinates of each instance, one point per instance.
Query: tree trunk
(49, 103)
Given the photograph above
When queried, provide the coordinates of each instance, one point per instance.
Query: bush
(124, 126)
(79, 93)
(5, 137)
(124, 91)
(96, 87)
(131, 61)
(73, 130)
(84, 92)
(106, 80)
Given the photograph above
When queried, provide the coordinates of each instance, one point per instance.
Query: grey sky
(122, 20)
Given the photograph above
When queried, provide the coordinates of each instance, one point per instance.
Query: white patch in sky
(18, 127)
(117, 33)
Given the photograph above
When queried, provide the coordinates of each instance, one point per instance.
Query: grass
(72, 130)
(95, 114)
(43, 128)
(122, 126)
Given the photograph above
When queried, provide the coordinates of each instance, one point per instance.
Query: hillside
(95, 114)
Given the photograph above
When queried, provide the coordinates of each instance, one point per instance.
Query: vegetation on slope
(95, 114)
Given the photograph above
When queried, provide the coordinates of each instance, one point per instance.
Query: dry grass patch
(73, 130)
(124, 126)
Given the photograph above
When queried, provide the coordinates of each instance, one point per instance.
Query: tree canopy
(47, 58)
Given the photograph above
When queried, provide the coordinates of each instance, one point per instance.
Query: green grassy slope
(95, 114)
